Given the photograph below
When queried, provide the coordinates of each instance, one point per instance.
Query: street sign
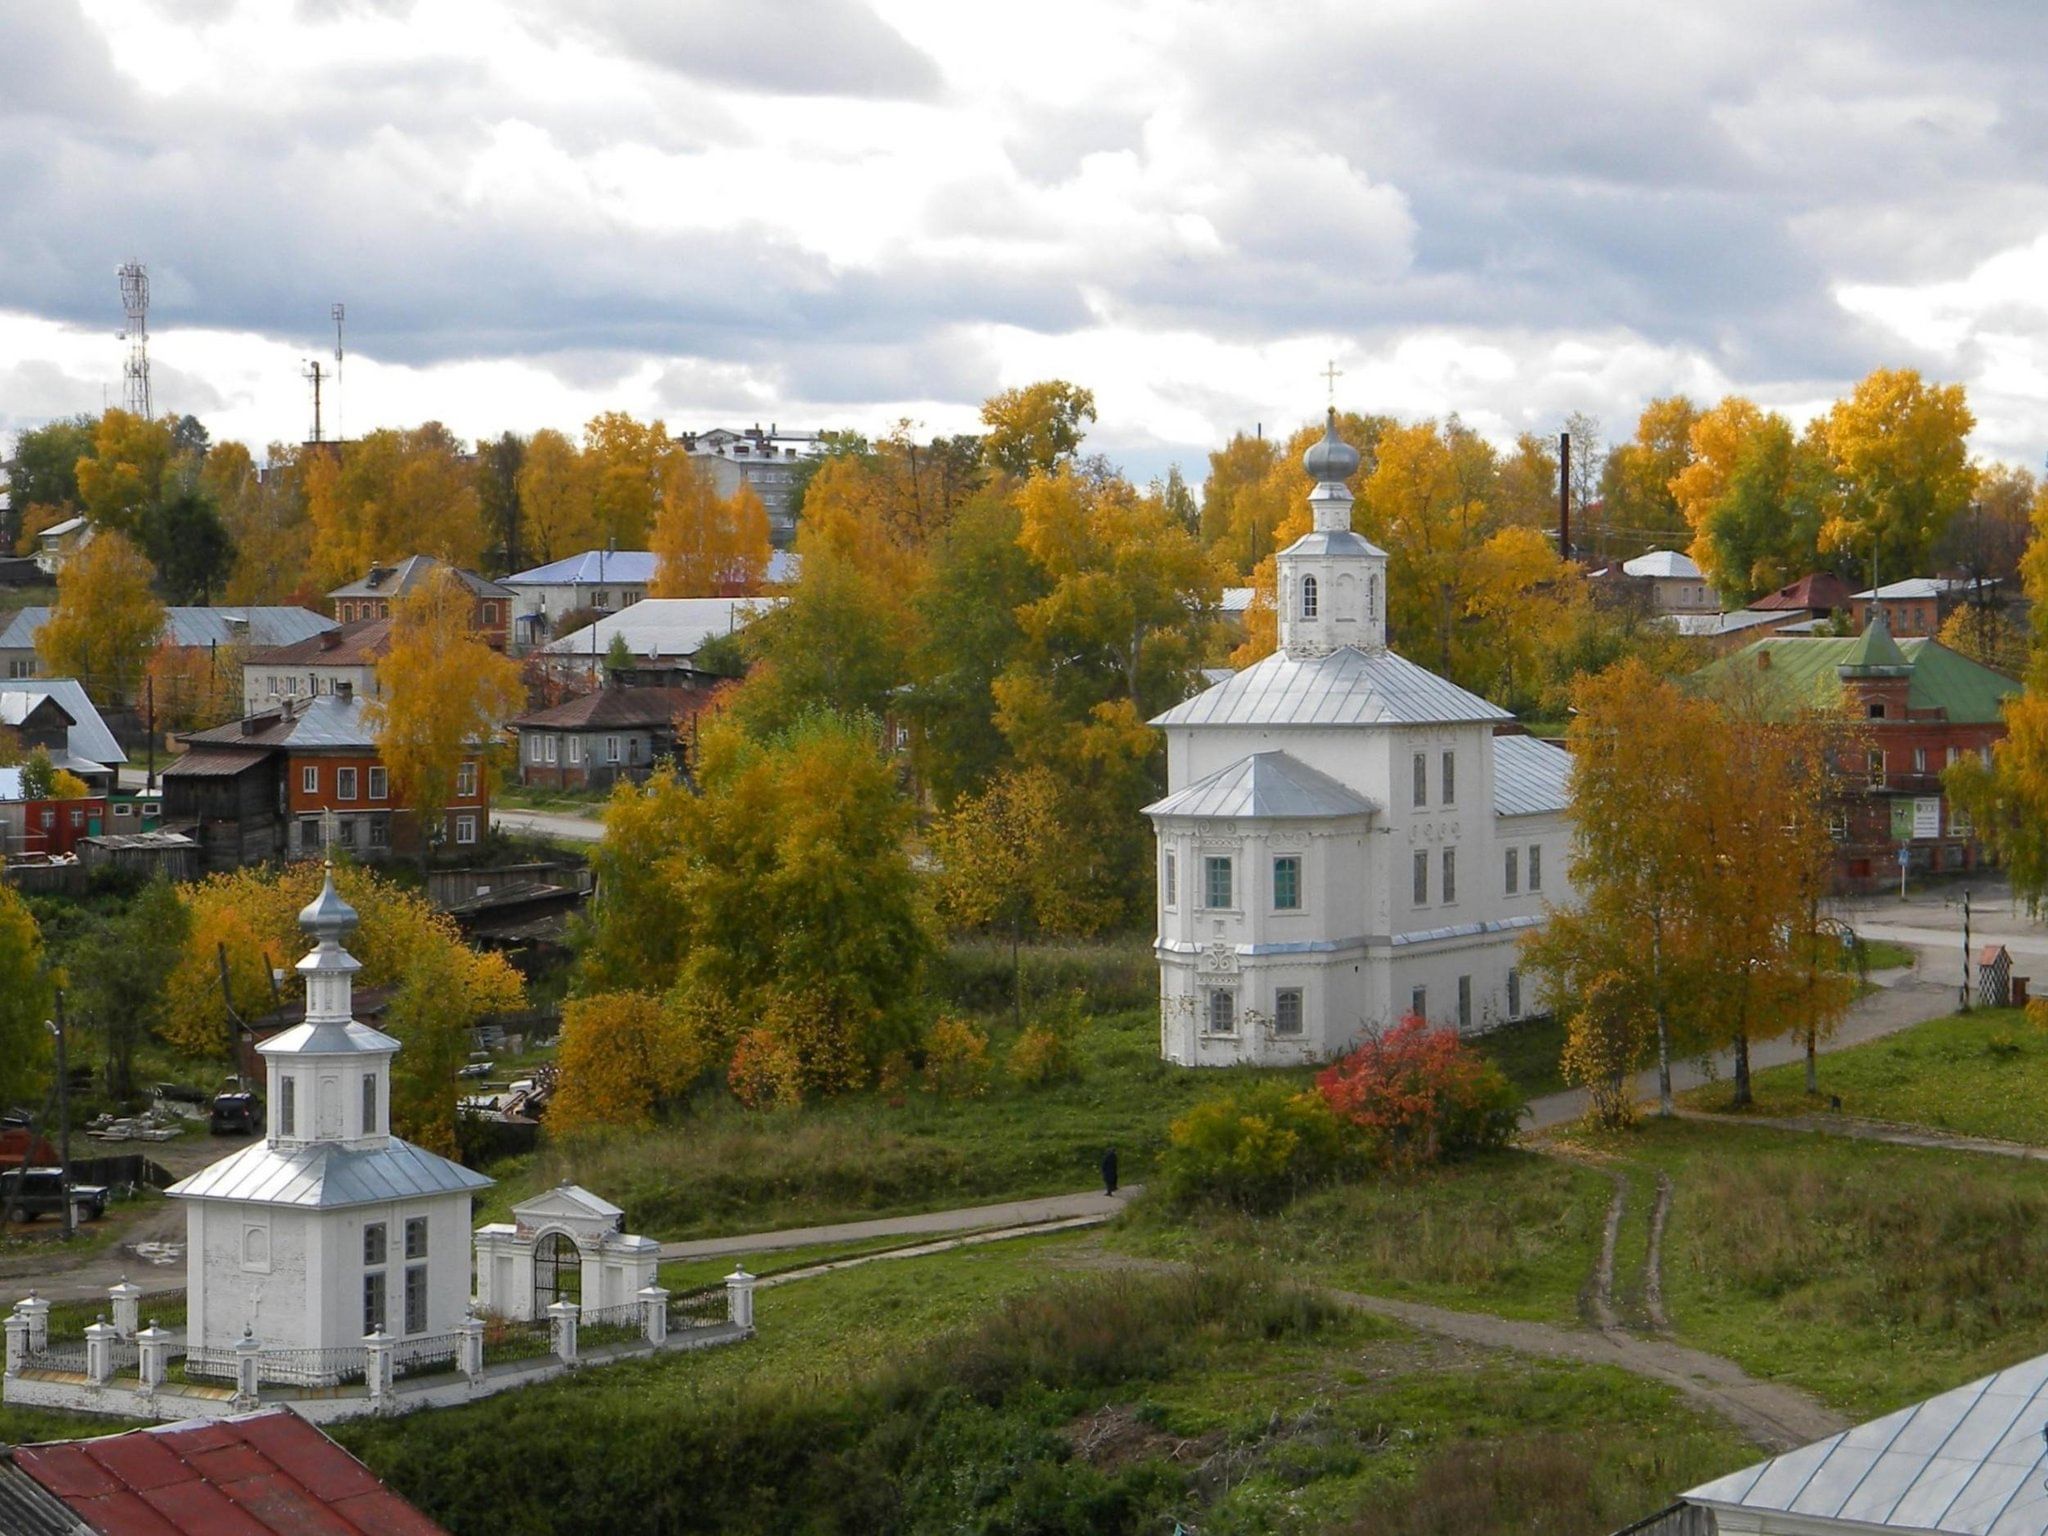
(1905, 857)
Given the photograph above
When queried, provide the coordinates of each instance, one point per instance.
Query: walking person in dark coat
(1109, 1172)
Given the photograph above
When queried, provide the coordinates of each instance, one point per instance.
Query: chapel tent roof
(1969, 1462)
(1806, 670)
(1346, 687)
(325, 1175)
(1264, 784)
(1531, 777)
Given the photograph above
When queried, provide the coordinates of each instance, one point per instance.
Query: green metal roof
(1877, 654)
(1807, 670)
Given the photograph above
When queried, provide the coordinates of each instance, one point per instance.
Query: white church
(330, 1228)
(1348, 838)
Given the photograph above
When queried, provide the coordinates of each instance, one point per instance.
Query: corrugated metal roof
(326, 1175)
(266, 1472)
(402, 576)
(213, 763)
(1970, 1462)
(663, 626)
(326, 720)
(1665, 564)
(329, 1037)
(1333, 541)
(88, 737)
(1530, 776)
(260, 626)
(1264, 784)
(1924, 587)
(26, 1510)
(1804, 670)
(627, 567)
(1236, 600)
(1706, 626)
(1347, 687)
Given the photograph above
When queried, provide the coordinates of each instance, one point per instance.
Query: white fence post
(37, 1311)
(127, 1300)
(377, 1368)
(472, 1357)
(17, 1340)
(562, 1317)
(152, 1349)
(654, 1313)
(99, 1352)
(248, 1355)
(739, 1298)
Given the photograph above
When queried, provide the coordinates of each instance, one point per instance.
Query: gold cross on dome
(1331, 374)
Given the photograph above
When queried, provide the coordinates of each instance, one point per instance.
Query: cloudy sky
(845, 212)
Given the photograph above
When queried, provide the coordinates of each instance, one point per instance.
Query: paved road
(1008, 1214)
(581, 829)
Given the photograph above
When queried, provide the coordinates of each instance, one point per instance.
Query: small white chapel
(330, 1228)
(1347, 837)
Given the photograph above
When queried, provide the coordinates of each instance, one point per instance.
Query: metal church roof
(1264, 784)
(1970, 1462)
(1530, 776)
(324, 1175)
(1346, 687)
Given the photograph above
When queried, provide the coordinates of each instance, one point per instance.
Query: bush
(767, 1071)
(1043, 1055)
(1419, 1094)
(955, 1060)
(1254, 1150)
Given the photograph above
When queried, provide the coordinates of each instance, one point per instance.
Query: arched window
(1372, 597)
(1308, 597)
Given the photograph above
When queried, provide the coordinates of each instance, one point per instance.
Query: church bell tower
(1332, 585)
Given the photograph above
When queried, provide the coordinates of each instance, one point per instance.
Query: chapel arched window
(1308, 597)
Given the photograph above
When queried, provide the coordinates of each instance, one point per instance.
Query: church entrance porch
(557, 1272)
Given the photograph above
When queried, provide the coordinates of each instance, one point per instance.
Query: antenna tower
(135, 371)
(339, 311)
(313, 372)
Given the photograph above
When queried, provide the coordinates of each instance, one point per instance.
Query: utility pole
(64, 1117)
(1564, 495)
(149, 734)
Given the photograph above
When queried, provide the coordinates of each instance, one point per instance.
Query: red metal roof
(261, 1474)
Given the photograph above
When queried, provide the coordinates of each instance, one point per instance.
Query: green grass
(1512, 1233)
(998, 1391)
(724, 1169)
(1983, 1073)
(1527, 1051)
(1884, 955)
(565, 802)
(1872, 1275)
(23, 1426)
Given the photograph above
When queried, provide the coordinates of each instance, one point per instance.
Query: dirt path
(1653, 1261)
(1855, 1129)
(1599, 1291)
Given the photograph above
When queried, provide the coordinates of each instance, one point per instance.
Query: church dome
(327, 916)
(1332, 458)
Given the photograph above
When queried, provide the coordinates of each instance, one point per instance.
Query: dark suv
(26, 1193)
(236, 1112)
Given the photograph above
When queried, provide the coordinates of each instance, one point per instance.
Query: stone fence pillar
(248, 1377)
(37, 1311)
(739, 1298)
(153, 1349)
(654, 1313)
(17, 1341)
(470, 1354)
(127, 1303)
(377, 1369)
(99, 1352)
(562, 1316)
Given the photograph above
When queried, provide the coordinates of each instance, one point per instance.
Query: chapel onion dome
(327, 917)
(1332, 458)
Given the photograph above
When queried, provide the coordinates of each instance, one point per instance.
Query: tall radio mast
(135, 371)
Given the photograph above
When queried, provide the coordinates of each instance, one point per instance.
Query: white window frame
(1421, 769)
(1282, 998)
(380, 784)
(1450, 774)
(345, 781)
(309, 778)
(1450, 877)
(1219, 1016)
(1308, 597)
(465, 829)
(1169, 880)
(1535, 866)
(1421, 875)
(1514, 872)
(1294, 861)
(1212, 865)
(465, 779)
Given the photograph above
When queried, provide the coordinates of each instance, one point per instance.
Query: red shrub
(1420, 1094)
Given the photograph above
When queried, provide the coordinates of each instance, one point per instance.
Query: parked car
(236, 1112)
(26, 1193)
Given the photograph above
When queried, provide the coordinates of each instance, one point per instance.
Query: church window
(1450, 778)
(1222, 1012)
(415, 1237)
(1421, 766)
(1308, 597)
(374, 1243)
(1422, 877)
(1514, 870)
(1372, 597)
(1450, 892)
(1464, 1002)
(1287, 1011)
(1535, 866)
(1217, 879)
(369, 1103)
(1418, 1002)
(1287, 883)
(288, 1107)
(1514, 994)
(1170, 880)
(416, 1298)
(373, 1302)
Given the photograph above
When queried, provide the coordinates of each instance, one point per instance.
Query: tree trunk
(1812, 1063)
(1742, 1096)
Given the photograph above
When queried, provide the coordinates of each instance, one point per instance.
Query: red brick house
(260, 787)
(372, 596)
(1923, 706)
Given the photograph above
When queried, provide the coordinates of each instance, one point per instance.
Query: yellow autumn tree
(624, 456)
(265, 516)
(616, 1063)
(392, 493)
(443, 697)
(1986, 636)
(196, 687)
(106, 619)
(1037, 428)
(557, 499)
(706, 545)
(1899, 452)
(123, 477)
